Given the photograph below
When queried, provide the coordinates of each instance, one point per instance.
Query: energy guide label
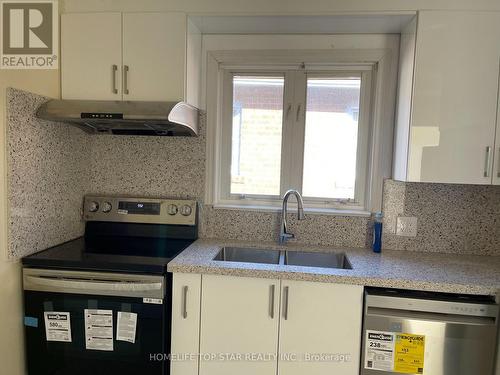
(409, 353)
(379, 351)
(402, 353)
(57, 326)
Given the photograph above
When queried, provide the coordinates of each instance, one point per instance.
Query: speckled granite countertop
(395, 269)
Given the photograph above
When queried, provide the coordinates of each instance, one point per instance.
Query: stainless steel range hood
(124, 117)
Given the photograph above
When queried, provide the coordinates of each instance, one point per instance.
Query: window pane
(331, 137)
(256, 138)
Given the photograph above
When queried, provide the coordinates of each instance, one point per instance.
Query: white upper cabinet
(320, 318)
(91, 56)
(154, 51)
(496, 164)
(238, 315)
(454, 105)
(153, 54)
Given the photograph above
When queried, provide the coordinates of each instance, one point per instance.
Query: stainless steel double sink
(284, 257)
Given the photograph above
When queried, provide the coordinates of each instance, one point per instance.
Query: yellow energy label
(409, 353)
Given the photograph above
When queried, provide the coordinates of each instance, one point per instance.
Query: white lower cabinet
(320, 328)
(250, 326)
(186, 293)
(239, 316)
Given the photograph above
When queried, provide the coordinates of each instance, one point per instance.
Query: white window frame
(298, 140)
(293, 133)
(226, 137)
(380, 63)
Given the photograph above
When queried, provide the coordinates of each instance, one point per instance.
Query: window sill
(292, 206)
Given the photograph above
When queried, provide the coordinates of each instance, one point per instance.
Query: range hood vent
(124, 117)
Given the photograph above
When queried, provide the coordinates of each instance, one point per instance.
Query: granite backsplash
(451, 218)
(323, 230)
(46, 178)
(52, 166)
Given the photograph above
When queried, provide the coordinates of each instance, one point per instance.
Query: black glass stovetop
(118, 247)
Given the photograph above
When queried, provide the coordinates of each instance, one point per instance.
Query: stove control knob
(106, 207)
(186, 210)
(172, 209)
(93, 206)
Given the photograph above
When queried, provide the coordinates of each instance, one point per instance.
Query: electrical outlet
(406, 226)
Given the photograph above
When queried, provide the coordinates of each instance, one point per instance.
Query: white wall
(276, 6)
(43, 82)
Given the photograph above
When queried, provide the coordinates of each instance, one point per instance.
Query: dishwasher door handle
(429, 316)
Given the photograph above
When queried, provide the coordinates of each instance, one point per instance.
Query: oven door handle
(82, 286)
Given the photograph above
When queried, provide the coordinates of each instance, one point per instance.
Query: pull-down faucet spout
(284, 235)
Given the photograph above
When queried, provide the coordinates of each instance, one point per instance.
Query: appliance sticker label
(30, 321)
(394, 352)
(126, 326)
(99, 329)
(379, 350)
(409, 353)
(57, 326)
(156, 301)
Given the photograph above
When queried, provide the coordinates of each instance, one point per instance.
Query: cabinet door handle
(487, 162)
(114, 69)
(285, 303)
(271, 301)
(125, 79)
(288, 109)
(184, 301)
(298, 113)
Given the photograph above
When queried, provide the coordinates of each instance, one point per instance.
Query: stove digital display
(140, 208)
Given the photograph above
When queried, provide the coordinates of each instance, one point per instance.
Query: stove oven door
(70, 316)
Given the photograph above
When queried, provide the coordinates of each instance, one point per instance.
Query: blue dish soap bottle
(377, 233)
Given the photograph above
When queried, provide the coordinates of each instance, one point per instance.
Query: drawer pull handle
(271, 301)
(114, 69)
(487, 162)
(184, 301)
(125, 79)
(285, 303)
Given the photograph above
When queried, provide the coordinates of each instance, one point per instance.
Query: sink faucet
(284, 235)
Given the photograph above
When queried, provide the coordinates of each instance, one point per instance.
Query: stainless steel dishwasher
(406, 332)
